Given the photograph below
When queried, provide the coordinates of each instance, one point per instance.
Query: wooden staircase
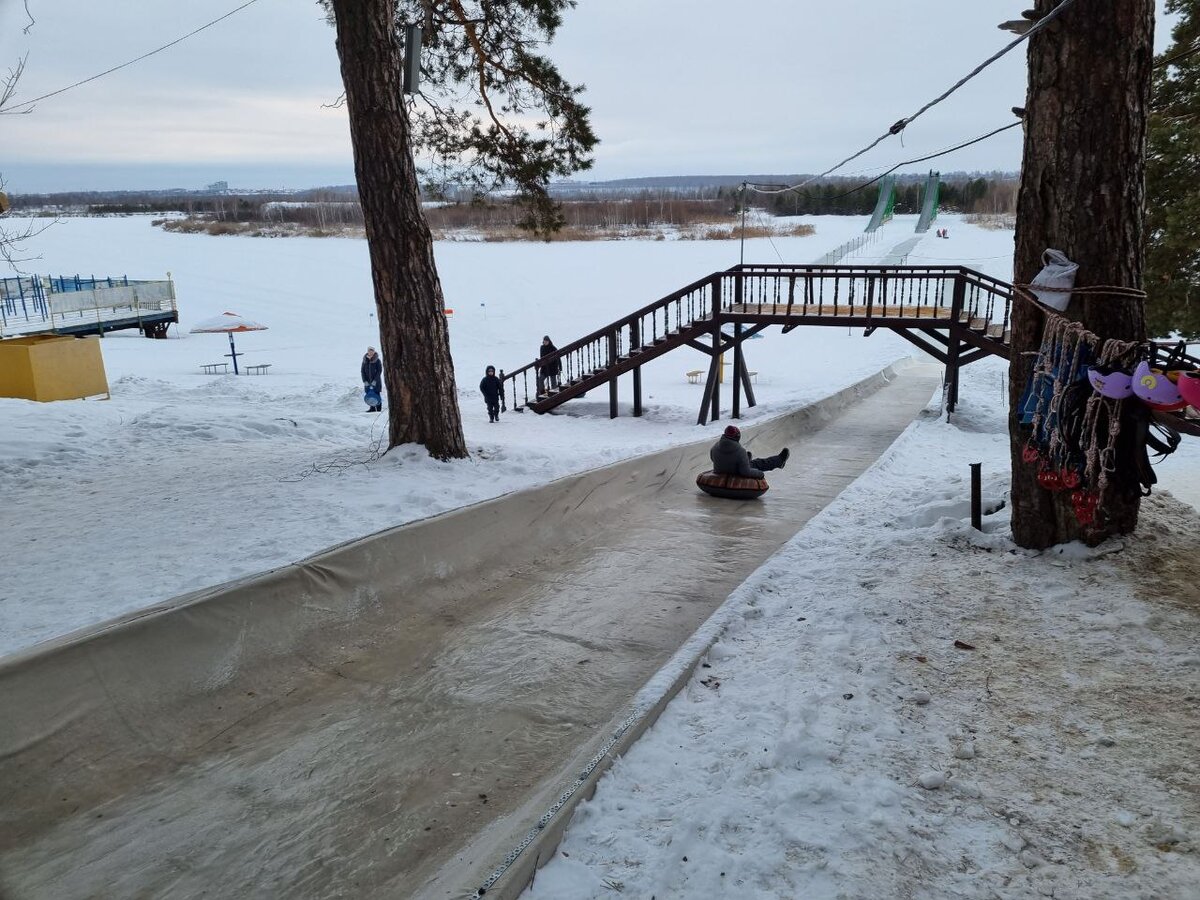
(954, 314)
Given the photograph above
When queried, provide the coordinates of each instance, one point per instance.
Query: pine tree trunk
(414, 341)
(1082, 191)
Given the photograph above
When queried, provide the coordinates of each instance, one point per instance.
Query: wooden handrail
(600, 343)
(617, 325)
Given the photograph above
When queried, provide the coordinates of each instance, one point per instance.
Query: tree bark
(414, 340)
(1083, 192)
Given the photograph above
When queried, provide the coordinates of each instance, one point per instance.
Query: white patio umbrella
(228, 323)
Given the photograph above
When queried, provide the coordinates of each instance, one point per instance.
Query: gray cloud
(676, 86)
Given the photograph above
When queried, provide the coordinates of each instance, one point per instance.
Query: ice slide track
(391, 717)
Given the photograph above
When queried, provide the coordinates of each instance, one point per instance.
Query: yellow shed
(52, 367)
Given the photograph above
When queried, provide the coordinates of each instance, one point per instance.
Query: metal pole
(976, 500)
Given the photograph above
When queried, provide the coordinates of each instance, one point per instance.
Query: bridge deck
(891, 311)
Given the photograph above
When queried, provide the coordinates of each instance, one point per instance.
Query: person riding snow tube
(734, 474)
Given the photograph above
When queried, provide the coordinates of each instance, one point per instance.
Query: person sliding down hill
(729, 457)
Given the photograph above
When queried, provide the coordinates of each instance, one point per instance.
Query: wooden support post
(710, 385)
(952, 367)
(738, 366)
(716, 381)
(746, 386)
(635, 342)
(612, 381)
(955, 344)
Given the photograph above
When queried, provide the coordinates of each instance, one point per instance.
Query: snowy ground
(793, 772)
(1059, 741)
(191, 480)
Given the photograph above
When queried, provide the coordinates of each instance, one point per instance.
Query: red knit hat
(732, 431)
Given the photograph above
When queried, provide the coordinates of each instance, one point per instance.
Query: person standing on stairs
(548, 373)
(729, 457)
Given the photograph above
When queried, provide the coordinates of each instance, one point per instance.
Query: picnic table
(221, 368)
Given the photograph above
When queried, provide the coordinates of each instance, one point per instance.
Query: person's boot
(783, 456)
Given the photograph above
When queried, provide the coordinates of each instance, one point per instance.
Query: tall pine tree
(490, 102)
(1172, 179)
(1083, 192)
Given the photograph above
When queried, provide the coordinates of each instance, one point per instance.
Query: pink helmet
(1189, 387)
(1156, 388)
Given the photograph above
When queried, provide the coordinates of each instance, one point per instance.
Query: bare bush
(993, 221)
(640, 218)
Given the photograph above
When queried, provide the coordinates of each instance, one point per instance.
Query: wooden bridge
(954, 314)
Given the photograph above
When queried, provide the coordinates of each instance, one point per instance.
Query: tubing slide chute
(929, 208)
(886, 204)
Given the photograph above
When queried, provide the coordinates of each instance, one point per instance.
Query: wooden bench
(260, 369)
(694, 376)
(753, 375)
(215, 368)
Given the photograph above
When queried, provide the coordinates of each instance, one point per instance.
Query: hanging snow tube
(731, 487)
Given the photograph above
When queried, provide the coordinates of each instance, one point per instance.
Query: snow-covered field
(184, 480)
(791, 766)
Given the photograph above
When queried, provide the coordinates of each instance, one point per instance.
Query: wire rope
(123, 65)
(901, 124)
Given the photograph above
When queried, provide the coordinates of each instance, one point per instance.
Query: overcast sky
(677, 87)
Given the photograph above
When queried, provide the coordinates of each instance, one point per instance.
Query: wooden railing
(640, 333)
(775, 293)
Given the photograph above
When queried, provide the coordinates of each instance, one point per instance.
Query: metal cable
(177, 40)
(900, 125)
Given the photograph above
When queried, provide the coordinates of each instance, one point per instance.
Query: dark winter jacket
(372, 371)
(490, 388)
(729, 457)
(554, 367)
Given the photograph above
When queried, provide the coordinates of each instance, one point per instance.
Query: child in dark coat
(490, 388)
(548, 373)
(372, 375)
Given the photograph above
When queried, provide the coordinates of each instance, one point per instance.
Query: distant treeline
(659, 208)
(841, 196)
(225, 206)
(329, 210)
